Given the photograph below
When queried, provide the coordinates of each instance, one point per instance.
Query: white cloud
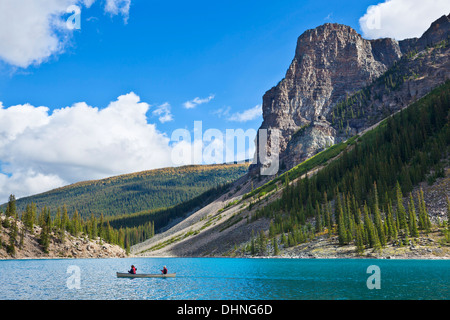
(222, 112)
(197, 101)
(247, 115)
(115, 7)
(40, 151)
(163, 111)
(32, 31)
(401, 19)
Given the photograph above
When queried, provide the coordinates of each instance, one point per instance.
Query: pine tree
(376, 241)
(262, 243)
(284, 240)
(11, 207)
(45, 232)
(425, 213)
(342, 231)
(392, 227)
(276, 250)
(65, 219)
(370, 229)
(318, 218)
(359, 239)
(100, 228)
(27, 219)
(401, 212)
(377, 218)
(412, 218)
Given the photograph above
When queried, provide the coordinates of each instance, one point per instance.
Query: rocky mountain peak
(331, 63)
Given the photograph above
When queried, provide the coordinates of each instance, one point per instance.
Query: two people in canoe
(134, 269)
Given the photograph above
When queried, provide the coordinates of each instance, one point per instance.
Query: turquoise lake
(224, 279)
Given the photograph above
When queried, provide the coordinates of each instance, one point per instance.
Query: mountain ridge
(135, 192)
(331, 63)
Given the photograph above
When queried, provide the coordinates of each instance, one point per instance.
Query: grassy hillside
(136, 192)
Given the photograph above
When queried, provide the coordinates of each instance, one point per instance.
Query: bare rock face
(331, 63)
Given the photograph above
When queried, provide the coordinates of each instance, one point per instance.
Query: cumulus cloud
(247, 115)
(401, 19)
(40, 150)
(197, 101)
(32, 31)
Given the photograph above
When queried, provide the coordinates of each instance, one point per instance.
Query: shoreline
(241, 257)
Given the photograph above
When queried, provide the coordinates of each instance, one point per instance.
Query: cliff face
(331, 63)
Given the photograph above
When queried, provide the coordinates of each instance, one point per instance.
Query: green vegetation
(411, 66)
(301, 169)
(137, 192)
(124, 230)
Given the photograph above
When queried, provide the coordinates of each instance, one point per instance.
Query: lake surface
(224, 279)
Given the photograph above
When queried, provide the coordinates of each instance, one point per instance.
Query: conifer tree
(11, 248)
(100, 228)
(45, 232)
(276, 250)
(392, 227)
(11, 206)
(376, 240)
(377, 218)
(401, 212)
(359, 239)
(370, 229)
(426, 217)
(342, 231)
(318, 218)
(412, 218)
(284, 240)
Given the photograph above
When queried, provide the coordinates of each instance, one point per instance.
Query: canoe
(143, 275)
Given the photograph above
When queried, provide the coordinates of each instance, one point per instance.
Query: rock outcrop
(27, 245)
(331, 63)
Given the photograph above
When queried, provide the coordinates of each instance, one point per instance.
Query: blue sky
(104, 100)
(175, 51)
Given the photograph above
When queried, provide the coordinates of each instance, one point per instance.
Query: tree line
(64, 224)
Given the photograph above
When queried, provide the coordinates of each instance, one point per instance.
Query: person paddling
(133, 270)
(164, 270)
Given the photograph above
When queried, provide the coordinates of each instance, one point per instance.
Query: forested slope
(136, 192)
